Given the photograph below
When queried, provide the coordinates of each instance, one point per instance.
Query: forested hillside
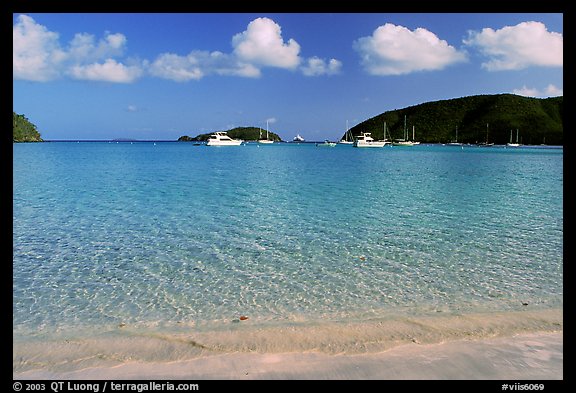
(23, 130)
(476, 118)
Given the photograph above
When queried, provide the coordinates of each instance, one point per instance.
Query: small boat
(298, 138)
(510, 144)
(405, 141)
(326, 143)
(486, 144)
(402, 142)
(365, 140)
(267, 140)
(348, 139)
(455, 141)
(221, 138)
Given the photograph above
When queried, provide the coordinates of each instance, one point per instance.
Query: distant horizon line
(123, 140)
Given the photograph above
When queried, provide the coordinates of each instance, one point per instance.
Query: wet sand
(534, 356)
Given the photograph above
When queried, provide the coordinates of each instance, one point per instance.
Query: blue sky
(160, 75)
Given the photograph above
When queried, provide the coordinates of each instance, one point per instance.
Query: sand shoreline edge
(529, 356)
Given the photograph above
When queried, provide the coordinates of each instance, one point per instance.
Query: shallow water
(169, 238)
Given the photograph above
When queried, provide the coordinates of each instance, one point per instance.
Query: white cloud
(262, 44)
(553, 91)
(109, 71)
(549, 91)
(198, 64)
(526, 91)
(176, 68)
(39, 56)
(518, 47)
(84, 49)
(36, 53)
(396, 50)
(315, 66)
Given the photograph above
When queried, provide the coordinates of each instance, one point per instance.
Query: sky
(159, 76)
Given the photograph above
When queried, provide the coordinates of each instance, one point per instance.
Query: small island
(244, 133)
(23, 130)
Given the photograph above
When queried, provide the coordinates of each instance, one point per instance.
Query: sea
(163, 251)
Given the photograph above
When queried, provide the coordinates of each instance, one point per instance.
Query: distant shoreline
(255, 142)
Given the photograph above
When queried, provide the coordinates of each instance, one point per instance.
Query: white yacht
(298, 138)
(365, 140)
(220, 138)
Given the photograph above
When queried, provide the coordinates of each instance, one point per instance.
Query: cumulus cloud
(36, 53)
(549, 91)
(553, 91)
(83, 47)
(109, 71)
(315, 66)
(198, 64)
(518, 47)
(39, 56)
(262, 44)
(396, 50)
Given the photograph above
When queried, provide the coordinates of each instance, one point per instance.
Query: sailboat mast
(405, 130)
(384, 130)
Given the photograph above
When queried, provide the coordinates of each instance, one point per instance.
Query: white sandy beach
(534, 356)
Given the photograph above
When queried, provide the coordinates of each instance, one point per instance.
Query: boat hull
(222, 143)
(370, 144)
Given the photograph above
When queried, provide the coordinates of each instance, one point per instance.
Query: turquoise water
(169, 236)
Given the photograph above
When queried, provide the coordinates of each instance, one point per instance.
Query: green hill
(537, 120)
(244, 133)
(23, 130)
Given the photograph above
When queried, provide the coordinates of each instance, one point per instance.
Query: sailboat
(455, 141)
(348, 140)
(404, 141)
(486, 144)
(385, 140)
(267, 140)
(510, 144)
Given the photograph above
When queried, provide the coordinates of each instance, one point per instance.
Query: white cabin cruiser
(220, 138)
(365, 140)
